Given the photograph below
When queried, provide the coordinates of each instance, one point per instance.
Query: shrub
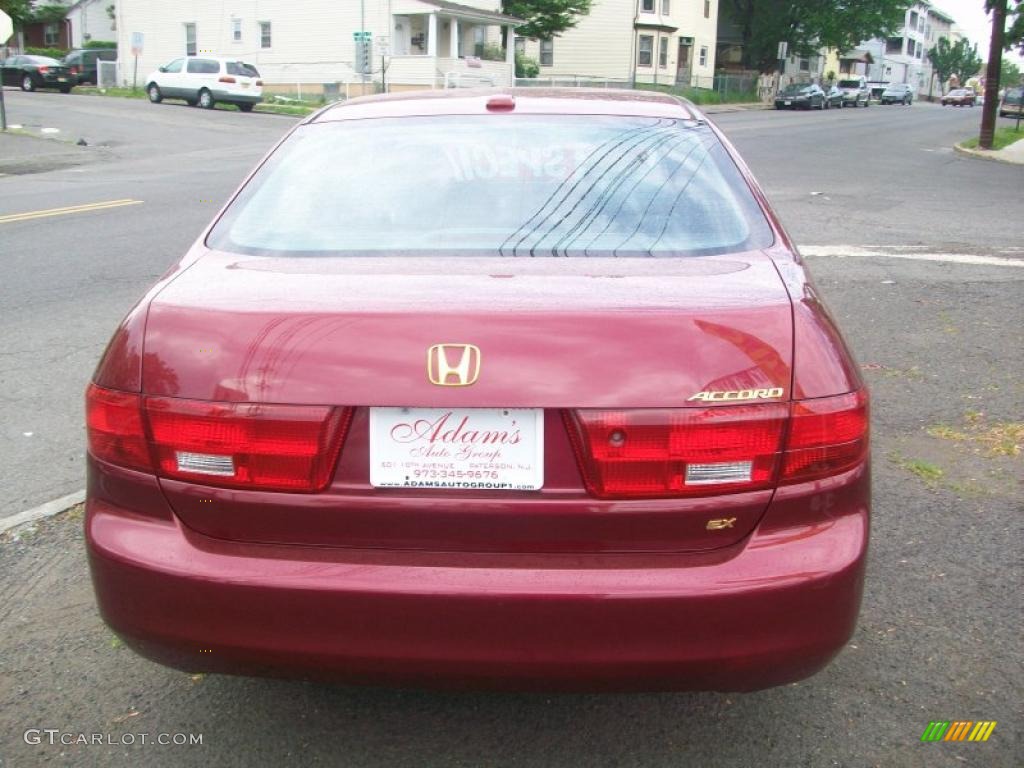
(101, 44)
(53, 53)
(526, 66)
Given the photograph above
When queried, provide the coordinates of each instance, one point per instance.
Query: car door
(10, 71)
(199, 74)
(169, 78)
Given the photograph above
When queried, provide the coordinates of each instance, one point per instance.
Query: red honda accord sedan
(522, 389)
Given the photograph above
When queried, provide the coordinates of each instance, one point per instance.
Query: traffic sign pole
(6, 30)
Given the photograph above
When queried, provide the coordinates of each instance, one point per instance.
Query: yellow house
(647, 41)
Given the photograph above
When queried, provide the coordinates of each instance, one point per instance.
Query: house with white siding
(647, 41)
(312, 45)
(91, 20)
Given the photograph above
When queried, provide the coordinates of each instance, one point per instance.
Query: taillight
(678, 452)
(114, 427)
(826, 436)
(647, 453)
(238, 445)
(43, 70)
(226, 79)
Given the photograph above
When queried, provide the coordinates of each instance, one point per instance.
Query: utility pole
(995, 62)
(363, 34)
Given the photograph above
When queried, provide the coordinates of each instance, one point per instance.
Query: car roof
(536, 101)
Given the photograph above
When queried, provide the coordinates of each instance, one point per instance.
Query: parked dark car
(1012, 103)
(960, 97)
(31, 72)
(898, 93)
(834, 98)
(84, 63)
(800, 96)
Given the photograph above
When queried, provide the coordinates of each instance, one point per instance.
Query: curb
(49, 509)
(711, 109)
(986, 154)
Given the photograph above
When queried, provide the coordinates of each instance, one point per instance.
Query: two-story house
(647, 41)
(317, 45)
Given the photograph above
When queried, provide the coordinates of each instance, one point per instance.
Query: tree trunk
(995, 60)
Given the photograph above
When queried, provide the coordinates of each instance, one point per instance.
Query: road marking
(84, 208)
(898, 252)
(49, 509)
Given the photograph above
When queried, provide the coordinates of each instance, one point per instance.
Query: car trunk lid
(553, 334)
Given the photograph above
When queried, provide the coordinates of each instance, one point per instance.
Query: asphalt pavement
(889, 217)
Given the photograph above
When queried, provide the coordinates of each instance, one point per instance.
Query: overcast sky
(973, 21)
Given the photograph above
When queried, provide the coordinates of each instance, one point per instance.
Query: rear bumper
(773, 609)
(237, 98)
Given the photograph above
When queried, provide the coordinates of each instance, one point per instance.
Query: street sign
(360, 36)
(137, 39)
(6, 27)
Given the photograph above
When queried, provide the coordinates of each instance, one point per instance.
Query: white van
(205, 81)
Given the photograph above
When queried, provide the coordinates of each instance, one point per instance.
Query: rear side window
(243, 70)
(497, 186)
(203, 66)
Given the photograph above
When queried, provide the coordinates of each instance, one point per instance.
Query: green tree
(959, 58)
(807, 25)
(545, 18)
(1009, 74)
(1015, 26)
(19, 10)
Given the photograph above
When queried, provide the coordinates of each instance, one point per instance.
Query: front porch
(437, 44)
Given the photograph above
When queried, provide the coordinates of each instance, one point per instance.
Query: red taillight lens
(237, 445)
(114, 427)
(226, 79)
(43, 70)
(826, 436)
(678, 452)
(246, 445)
(724, 449)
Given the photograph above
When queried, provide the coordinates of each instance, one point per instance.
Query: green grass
(122, 93)
(703, 95)
(140, 93)
(1004, 137)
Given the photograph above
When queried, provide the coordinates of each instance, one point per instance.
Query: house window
(236, 30)
(547, 53)
(665, 7)
(894, 45)
(707, 9)
(479, 38)
(805, 64)
(645, 51)
(51, 34)
(647, 6)
(521, 46)
(264, 34)
(703, 55)
(190, 39)
(663, 52)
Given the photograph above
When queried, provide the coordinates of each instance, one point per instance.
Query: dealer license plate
(500, 449)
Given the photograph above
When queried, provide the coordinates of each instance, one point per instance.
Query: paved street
(890, 218)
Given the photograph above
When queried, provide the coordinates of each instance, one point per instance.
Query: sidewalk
(714, 109)
(23, 153)
(1012, 154)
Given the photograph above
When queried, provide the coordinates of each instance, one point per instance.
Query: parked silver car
(855, 92)
(898, 93)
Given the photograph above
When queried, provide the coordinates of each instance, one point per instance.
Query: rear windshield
(1014, 96)
(849, 83)
(496, 186)
(796, 89)
(243, 70)
(42, 60)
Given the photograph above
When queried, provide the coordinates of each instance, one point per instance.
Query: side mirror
(162, 69)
